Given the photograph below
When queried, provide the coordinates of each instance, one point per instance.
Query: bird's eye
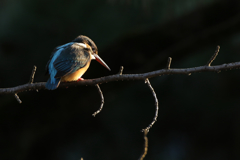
(87, 49)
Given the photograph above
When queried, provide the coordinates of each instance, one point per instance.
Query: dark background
(199, 115)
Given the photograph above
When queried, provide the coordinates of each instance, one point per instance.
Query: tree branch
(120, 70)
(145, 148)
(186, 71)
(169, 62)
(102, 102)
(146, 130)
(120, 76)
(156, 104)
(17, 98)
(33, 74)
(213, 57)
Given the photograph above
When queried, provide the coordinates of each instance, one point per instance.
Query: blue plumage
(52, 84)
(71, 60)
(65, 60)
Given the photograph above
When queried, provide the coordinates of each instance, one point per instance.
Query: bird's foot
(80, 79)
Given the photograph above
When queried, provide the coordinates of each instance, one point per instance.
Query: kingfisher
(70, 61)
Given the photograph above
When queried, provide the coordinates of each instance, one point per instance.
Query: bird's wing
(53, 55)
(71, 58)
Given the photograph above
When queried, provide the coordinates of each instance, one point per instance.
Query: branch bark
(145, 148)
(102, 102)
(156, 104)
(117, 77)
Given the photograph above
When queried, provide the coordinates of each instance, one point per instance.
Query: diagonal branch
(17, 98)
(214, 56)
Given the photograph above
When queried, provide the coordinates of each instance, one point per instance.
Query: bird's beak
(101, 61)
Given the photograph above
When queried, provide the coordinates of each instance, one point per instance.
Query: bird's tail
(52, 86)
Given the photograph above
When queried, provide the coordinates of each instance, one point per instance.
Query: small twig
(145, 149)
(169, 62)
(17, 98)
(156, 104)
(102, 102)
(213, 57)
(120, 70)
(33, 74)
(30, 82)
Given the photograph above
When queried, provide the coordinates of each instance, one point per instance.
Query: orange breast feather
(76, 75)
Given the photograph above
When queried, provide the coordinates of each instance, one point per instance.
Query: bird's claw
(80, 79)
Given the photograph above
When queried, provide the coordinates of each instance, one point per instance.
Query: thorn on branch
(169, 62)
(156, 104)
(33, 74)
(213, 57)
(17, 98)
(120, 70)
(145, 149)
(102, 102)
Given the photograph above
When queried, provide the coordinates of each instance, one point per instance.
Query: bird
(70, 61)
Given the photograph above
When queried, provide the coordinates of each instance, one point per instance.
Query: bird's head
(92, 48)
